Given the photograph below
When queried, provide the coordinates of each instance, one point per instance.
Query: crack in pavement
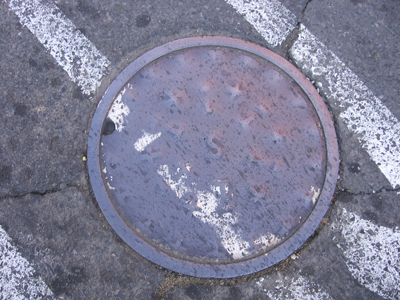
(382, 190)
(289, 41)
(293, 35)
(42, 193)
(304, 9)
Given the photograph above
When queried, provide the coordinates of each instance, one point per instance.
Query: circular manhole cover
(212, 157)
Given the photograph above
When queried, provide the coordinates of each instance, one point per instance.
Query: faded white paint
(300, 288)
(188, 167)
(267, 240)
(231, 240)
(110, 187)
(315, 194)
(260, 281)
(17, 280)
(145, 140)
(208, 202)
(179, 186)
(374, 125)
(78, 56)
(269, 17)
(118, 111)
(372, 254)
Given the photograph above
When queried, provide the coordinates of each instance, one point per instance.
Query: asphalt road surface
(57, 59)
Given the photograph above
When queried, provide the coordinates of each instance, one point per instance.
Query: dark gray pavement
(46, 203)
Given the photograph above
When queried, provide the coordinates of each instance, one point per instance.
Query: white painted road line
(376, 128)
(372, 254)
(16, 275)
(77, 55)
(269, 17)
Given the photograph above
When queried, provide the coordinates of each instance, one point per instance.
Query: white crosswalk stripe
(16, 274)
(77, 55)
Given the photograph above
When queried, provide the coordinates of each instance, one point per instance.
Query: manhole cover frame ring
(205, 270)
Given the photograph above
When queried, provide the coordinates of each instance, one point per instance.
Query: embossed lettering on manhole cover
(212, 157)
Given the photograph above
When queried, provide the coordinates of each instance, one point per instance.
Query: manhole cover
(212, 157)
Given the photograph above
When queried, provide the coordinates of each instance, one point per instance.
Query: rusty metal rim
(208, 270)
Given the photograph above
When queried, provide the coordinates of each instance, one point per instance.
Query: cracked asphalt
(47, 207)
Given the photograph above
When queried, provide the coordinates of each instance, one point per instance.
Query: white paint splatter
(110, 187)
(269, 17)
(260, 281)
(267, 240)
(208, 202)
(377, 129)
(232, 242)
(145, 140)
(78, 56)
(301, 288)
(179, 186)
(315, 194)
(16, 275)
(118, 111)
(188, 167)
(372, 254)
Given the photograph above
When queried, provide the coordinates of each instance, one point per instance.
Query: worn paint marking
(315, 194)
(16, 275)
(78, 56)
(376, 128)
(145, 140)
(267, 240)
(118, 111)
(179, 186)
(207, 202)
(372, 253)
(300, 288)
(269, 17)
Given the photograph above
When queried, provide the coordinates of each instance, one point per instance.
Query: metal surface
(213, 157)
